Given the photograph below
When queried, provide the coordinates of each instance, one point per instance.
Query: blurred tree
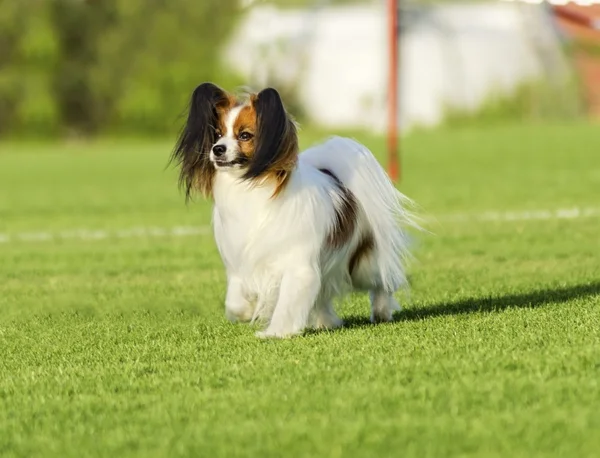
(9, 37)
(158, 55)
(97, 66)
(80, 27)
(28, 52)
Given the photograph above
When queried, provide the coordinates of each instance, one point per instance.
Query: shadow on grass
(488, 304)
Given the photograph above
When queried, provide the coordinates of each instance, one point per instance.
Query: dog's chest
(246, 246)
(243, 228)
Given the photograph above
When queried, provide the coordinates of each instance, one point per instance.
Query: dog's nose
(219, 150)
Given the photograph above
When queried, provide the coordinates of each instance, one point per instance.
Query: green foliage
(87, 67)
(537, 100)
(28, 49)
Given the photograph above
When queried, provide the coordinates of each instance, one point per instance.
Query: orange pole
(577, 17)
(392, 140)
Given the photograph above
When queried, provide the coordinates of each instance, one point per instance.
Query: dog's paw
(328, 322)
(239, 314)
(382, 317)
(276, 334)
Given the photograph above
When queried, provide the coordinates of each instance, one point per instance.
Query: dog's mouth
(221, 164)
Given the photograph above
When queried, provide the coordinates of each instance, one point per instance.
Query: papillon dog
(294, 230)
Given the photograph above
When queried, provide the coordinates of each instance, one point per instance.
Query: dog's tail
(386, 209)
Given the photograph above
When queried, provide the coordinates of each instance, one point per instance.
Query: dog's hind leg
(383, 306)
(366, 277)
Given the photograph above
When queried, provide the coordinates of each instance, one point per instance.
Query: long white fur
(385, 208)
(279, 269)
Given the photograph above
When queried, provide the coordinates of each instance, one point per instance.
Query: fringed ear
(196, 139)
(276, 150)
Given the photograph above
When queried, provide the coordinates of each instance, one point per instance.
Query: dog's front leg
(237, 305)
(297, 295)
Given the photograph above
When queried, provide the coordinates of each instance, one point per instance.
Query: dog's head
(253, 137)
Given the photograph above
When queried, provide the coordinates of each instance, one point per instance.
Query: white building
(336, 58)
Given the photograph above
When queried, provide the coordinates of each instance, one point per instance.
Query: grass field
(118, 346)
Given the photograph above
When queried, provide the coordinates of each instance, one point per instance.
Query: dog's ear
(276, 150)
(192, 151)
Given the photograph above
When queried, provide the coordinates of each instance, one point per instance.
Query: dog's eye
(218, 133)
(245, 136)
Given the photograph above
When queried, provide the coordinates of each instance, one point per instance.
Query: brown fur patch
(345, 215)
(227, 103)
(365, 246)
(281, 170)
(245, 122)
(203, 179)
(281, 178)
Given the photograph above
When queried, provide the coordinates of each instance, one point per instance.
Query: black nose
(219, 150)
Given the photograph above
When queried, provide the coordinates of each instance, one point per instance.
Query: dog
(294, 230)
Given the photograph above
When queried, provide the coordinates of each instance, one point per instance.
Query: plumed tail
(388, 212)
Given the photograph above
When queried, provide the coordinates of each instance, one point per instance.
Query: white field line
(562, 213)
(186, 231)
(100, 234)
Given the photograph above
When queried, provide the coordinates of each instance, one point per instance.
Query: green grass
(120, 347)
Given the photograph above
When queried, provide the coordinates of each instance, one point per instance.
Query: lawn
(118, 345)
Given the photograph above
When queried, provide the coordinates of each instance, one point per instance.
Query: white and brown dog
(294, 230)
